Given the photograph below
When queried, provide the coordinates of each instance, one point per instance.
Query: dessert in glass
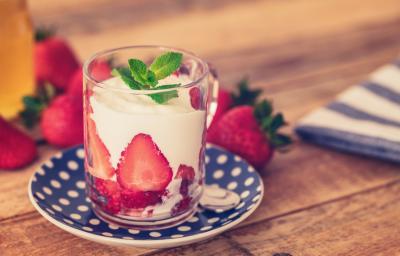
(145, 130)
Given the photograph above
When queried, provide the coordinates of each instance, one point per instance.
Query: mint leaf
(125, 75)
(139, 77)
(138, 70)
(166, 86)
(151, 78)
(163, 97)
(166, 64)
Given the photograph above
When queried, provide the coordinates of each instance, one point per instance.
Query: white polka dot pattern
(60, 184)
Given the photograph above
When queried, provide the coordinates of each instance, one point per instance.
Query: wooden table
(302, 53)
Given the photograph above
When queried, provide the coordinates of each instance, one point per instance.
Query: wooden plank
(271, 63)
(14, 186)
(221, 245)
(96, 16)
(362, 224)
(36, 236)
(261, 23)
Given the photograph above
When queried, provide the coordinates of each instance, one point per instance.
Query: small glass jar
(145, 160)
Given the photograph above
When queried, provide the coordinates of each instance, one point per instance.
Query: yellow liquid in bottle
(16, 56)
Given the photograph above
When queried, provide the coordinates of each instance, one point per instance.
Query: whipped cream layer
(175, 127)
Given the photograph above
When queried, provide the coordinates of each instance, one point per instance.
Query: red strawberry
(55, 62)
(245, 96)
(140, 199)
(143, 167)
(186, 173)
(181, 206)
(241, 132)
(16, 149)
(99, 154)
(195, 97)
(110, 191)
(75, 85)
(62, 121)
(224, 103)
(100, 70)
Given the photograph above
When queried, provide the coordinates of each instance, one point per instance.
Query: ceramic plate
(57, 191)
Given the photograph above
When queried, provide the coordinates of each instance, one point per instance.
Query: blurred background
(274, 42)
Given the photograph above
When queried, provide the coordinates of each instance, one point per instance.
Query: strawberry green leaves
(270, 124)
(166, 64)
(139, 77)
(245, 96)
(34, 105)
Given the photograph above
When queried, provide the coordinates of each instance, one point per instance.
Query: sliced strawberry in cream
(195, 97)
(112, 197)
(143, 167)
(186, 173)
(139, 199)
(100, 166)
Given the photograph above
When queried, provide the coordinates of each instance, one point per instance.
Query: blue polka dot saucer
(57, 191)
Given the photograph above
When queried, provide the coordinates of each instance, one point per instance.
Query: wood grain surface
(301, 53)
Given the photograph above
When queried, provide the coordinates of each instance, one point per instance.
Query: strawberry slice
(143, 167)
(181, 206)
(110, 191)
(100, 157)
(186, 173)
(195, 97)
(140, 199)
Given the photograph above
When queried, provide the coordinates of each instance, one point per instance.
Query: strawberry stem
(42, 33)
(34, 105)
(270, 124)
(245, 96)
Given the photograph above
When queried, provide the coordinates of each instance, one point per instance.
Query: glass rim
(103, 85)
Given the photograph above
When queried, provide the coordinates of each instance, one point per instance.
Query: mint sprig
(140, 77)
(166, 64)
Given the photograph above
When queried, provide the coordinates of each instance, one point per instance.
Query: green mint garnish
(163, 97)
(125, 75)
(139, 77)
(141, 74)
(166, 64)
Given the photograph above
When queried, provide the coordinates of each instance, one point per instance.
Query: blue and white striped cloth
(364, 119)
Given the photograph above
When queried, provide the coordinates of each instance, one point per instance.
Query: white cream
(175, 127)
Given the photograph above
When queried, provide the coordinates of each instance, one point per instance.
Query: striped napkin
(364, 119)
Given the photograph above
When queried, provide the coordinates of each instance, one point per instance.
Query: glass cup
(144, 163)
(16, 56)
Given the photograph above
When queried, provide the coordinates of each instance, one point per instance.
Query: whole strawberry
(55, 61)
(16, 148)
(62, 121)
(227, 100)
(224, 103)
(250, 132)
